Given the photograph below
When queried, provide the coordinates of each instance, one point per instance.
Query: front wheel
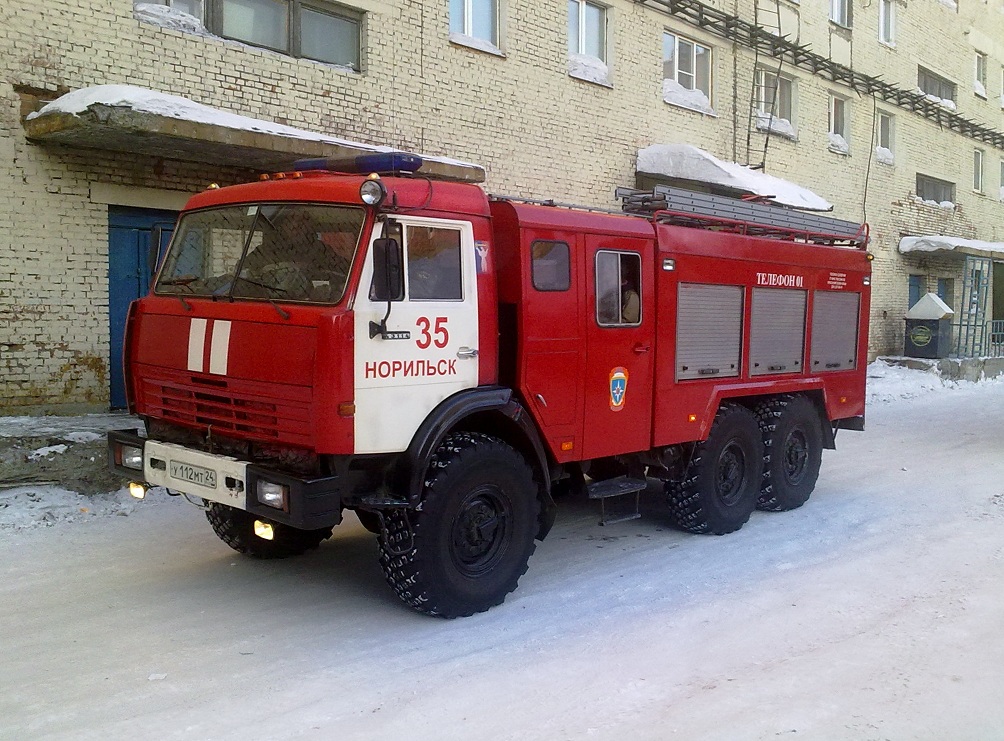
(720, 490)
(235, 527)
(467, 546)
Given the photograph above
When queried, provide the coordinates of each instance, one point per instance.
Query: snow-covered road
(874, 612)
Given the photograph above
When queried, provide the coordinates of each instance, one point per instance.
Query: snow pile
(168, 17)
(942, 243)
(888, 383)
(687, 162)
(695, 100)
(979, 88)
(173, 106)
(49, 450)
(947, 205)
(588, 68)
(773, 124)
(943, 102)
(884, 155)
(28, 507)
(838, 144)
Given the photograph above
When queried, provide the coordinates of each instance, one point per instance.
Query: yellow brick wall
(536, 130)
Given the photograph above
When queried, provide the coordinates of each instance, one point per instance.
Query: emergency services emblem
(618, 388)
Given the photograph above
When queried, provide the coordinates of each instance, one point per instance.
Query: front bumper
(311, 503)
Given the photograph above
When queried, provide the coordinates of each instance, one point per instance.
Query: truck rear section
(442, 363)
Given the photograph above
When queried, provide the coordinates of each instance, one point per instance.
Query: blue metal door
(137, 238)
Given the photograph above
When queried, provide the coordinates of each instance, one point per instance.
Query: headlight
(131, 457)
(272, 495)
(372, 192)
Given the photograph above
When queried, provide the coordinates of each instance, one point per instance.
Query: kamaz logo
(780, 280)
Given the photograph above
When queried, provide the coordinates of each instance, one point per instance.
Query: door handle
(467, 352)
(642, 348)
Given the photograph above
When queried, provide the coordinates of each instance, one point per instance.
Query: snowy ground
(873, 612)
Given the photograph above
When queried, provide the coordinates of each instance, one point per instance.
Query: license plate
(193, 474)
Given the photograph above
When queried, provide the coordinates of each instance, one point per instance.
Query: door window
(618, 289)
(550, 268)
(434, 264)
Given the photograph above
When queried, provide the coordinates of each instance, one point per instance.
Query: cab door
(619, 346)
(430, 347)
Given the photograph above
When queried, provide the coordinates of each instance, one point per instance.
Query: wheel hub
(795, 458)
(480, 531)
(730, 474)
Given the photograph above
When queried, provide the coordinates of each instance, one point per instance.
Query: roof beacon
(385, 163)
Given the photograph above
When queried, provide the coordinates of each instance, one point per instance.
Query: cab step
(617, 487)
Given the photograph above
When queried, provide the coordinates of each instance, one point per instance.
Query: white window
(840, 12)
(1002, 181)
(887, 21)
(935, 85)
(191, 7)
(587, 29)
(978, 170)
(319, 30)
(980, 74)
(885, 145)
(775, 103)
(686, 62)
(839, 124)
(478, 19)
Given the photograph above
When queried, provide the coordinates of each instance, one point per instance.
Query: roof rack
(682, 207)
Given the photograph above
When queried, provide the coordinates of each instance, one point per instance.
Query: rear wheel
(720, 490)
(235, 527)
(793, 451)
(470, 542)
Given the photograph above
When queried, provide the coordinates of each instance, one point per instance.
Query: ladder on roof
(683, 207)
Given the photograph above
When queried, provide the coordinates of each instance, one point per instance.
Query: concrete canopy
(125, 118)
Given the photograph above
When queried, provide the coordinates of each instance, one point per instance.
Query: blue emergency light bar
(380, 162)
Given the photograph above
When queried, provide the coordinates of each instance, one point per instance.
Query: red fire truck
(354, 335)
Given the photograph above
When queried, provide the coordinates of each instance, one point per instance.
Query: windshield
(270, 251)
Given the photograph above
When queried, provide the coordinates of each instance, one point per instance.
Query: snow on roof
(690, 163)
(942, 243)
(174, 106)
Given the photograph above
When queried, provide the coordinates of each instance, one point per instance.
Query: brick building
(893, 113)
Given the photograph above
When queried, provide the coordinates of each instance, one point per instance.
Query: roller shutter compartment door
(709, 331)
(777, 331)
(834, 331)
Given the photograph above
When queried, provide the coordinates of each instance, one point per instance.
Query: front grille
(243, 409)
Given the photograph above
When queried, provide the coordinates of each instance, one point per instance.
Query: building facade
(893, 113)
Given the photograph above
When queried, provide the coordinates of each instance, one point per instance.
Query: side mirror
(388, 271)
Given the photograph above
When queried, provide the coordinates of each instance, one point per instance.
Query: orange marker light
(346, 409)
(843, 399)
(567, 445)
(691, 417)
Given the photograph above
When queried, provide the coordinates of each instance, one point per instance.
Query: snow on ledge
(884, 156)
(942, 243)
(690, 163)
(588, 68)
(695, 100)
(168, 17)
(475, 43)
(838, 144)
(174, 106)
(773, 124)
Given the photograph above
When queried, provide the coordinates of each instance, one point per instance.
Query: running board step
(617, 487)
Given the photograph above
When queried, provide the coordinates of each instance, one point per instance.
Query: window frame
(620, 254)
(890, 131)
(467, 19)
(978, 175)
(786, 89)
(887, 22)
(839, 115)
(214, 15)
(840, 13)
(556, 288)
(580, 41)
(938, 82)
(694, 56)
(980, 65)
(408, 236)
(933, 182)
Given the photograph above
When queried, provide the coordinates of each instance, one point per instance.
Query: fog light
(264, 530)
(272, 495)
(372, 191)
(132, 457)
(137, 489)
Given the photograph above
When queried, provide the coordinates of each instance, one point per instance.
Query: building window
(1002, 181)
(550, 268)
(915, 287)
(775, 106)
(946, 290)
(838, 130)
(887, 22)
(978, 170)
(884, 149)
(587, 29)
(192, 7)
(933, 189)
(686, 62)
(935, 85)
(319, 30)
(980, 75)
(618, 288)
(840, 12)
(478, 19)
